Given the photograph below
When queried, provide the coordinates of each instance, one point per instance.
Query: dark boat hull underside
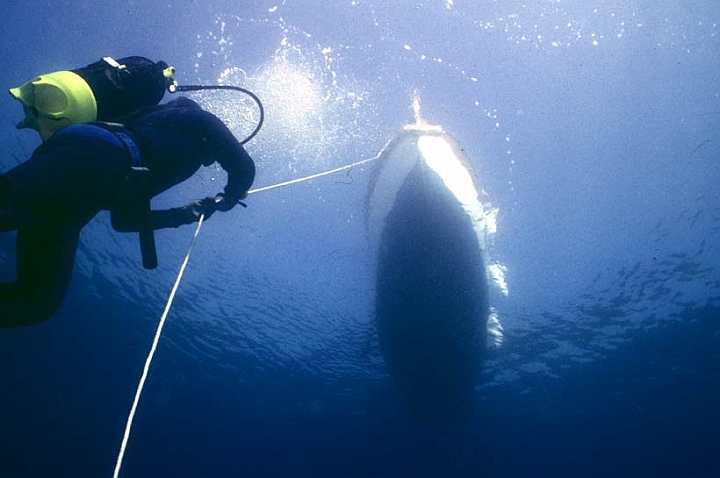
(431, 297)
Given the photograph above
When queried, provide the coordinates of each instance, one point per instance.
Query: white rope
(313, 176)
(152, 351)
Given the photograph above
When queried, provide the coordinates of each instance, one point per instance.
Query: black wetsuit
(80, 171)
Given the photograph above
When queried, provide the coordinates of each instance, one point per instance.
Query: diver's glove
(134, 220)
(195, 209)
(224, 202)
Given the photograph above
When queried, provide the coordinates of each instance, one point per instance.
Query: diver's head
(55, 100)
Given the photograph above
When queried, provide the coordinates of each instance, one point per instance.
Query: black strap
(147, 241)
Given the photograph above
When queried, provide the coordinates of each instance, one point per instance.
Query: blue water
(595, 129)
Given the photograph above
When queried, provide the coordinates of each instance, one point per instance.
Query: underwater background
(594, 127)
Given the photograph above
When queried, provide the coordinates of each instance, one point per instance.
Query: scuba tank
(130, 85)
(127, 85)
(106, 90)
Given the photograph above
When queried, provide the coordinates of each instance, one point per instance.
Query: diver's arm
(233, 158)
(138, 218)
(240, 171)
(132, 220)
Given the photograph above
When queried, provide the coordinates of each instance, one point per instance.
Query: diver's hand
(225, 202)
(195, 209)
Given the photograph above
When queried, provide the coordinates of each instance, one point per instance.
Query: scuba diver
(86, 164)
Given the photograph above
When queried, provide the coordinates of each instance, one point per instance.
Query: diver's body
(84, 168)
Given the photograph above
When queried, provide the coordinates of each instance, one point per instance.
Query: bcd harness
(133, 190)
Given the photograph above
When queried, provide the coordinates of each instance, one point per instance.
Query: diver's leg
(5, 188)
(8, 216)
(9, 219)
(45, 259)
